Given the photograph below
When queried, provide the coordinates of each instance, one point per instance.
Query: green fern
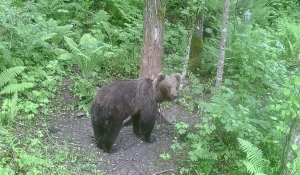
(87, 54)
(12, 88)
(255, 163)
(72, 45)
(9, 110)
(9, 74)
(209, 84)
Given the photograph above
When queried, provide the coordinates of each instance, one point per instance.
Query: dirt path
(134, 157)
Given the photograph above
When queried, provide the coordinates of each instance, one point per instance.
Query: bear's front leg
(146, 129)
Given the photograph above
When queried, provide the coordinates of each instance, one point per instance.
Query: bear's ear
(178, 77)
(161, 77)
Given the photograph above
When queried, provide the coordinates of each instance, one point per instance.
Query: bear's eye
(169, 88)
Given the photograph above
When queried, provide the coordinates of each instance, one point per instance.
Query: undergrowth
(246, 123)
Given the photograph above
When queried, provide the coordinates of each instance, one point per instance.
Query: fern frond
(9, 110)
(251, 168)
(255, 161)
(254, 155)
(12, 88)
(9, 74)
(83, 56)
(14, 102)
(72, 45)
(88, 43)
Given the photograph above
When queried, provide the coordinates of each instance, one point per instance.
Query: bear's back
(128, 89)
(126, 96)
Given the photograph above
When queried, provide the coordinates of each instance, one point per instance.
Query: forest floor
(71, 129)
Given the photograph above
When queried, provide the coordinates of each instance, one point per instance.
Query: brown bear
(136, 98)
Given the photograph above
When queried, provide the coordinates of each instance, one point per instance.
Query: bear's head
(166, 87)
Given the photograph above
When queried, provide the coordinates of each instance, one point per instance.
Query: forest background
(249, 125)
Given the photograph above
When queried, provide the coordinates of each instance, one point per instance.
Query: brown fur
(136, 98)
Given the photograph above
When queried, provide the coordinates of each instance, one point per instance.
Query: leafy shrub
(17, 158)
(28, 38)
(9, 108)
(243, 108)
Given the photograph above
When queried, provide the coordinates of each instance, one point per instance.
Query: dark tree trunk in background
(199, 24)
(224, 30)
(196, 47)
(153, 38)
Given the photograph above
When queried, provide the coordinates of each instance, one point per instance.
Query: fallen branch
(165, 118)
(126, 120)
(131, 145)
(165, 171)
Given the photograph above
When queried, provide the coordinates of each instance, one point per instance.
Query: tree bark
(197, 47)
(224, 29)
(289, 154)
(183, 74)
(199, 24)
(153, 38)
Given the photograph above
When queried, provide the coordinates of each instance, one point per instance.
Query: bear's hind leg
(98, 129)
(110, 135)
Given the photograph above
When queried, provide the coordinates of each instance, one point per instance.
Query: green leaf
(193, 157)
(288, 165)
(286, 92)
(273, 118)
(294, 147)
(297, 81)
(213, 127)
(297, 104)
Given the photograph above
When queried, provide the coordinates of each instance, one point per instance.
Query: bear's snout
(175, 97)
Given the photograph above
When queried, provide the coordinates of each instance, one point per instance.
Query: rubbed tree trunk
(187, 57)
(224, 30)
(153, 38)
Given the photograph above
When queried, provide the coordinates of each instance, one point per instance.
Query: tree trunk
(224, 30)
(289, 155)
(196, 47)
(153, 38)
(199, 24)
(187, 57)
